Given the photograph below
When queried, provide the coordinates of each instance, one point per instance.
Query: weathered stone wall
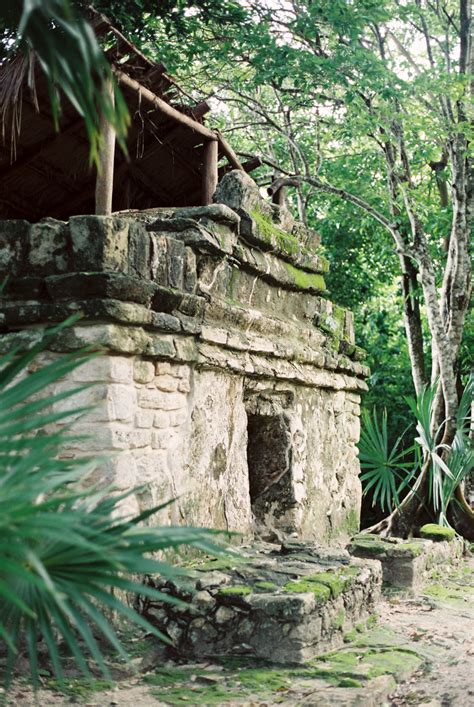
(220, 351)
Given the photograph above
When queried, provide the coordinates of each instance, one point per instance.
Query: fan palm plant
(388, 471)
(65, 547)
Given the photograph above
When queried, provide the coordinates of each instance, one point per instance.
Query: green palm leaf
(64, 547)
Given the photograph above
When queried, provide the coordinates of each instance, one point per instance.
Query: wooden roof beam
(229, 152)
(162, 106)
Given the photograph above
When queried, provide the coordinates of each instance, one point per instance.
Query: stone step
(405, 563)
(282, 604)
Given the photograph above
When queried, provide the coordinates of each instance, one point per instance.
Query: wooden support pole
(104, 184)
(209, 171)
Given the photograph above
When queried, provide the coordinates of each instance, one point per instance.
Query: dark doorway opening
(269, 458)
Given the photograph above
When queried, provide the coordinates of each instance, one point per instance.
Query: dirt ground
(419, 652)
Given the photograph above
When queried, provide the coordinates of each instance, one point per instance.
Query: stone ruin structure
(228, 380)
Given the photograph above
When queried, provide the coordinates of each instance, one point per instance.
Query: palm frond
(385, 471)
(65, 547)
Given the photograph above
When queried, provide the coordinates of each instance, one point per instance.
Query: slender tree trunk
(412, 320)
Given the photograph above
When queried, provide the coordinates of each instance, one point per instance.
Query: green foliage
(71, 59)
(385, 470)
(67, 551)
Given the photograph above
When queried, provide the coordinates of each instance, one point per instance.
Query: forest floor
(420, 651)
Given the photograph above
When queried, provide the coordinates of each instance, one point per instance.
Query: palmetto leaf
(448, 464)
(64, 547)
(385, 471)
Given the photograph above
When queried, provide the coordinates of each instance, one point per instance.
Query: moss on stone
(260, 680)
(438, 533)
(305, 280)
(412, 549)
(350, 682)
(323, 584)
(367, 545)
(392, 661)
(338, 621)
(271, 233)
(266, 586)
(335, 581)
(307, 585)
(352, 522)
(79, 689)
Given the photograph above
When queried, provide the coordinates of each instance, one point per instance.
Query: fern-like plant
(64, 546)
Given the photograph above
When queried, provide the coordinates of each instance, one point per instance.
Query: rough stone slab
(283, 604)
(280, 272)
(404, 562)
(214, 212)
(100, 285)
(195, 235)
(99, 243)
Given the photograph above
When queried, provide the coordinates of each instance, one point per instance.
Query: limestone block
(158, 400)
(143, 371)
(99, 243)
(237, 190)
(13, 245)
(97, 438)
(184, 386)
(162, 368)
(216, 336)
(166, 383)
(122, 401)
(176, 263)
(89, 397)
(124, 471)
(48, 247)
(178, 418)
(139, 250)
(159, 256)
(190, 272)
(150, 466)
(164, 439)
(162, 419)
(101, 286)
(129, 438)
(116, 369)
(144, 418)
(219, 213)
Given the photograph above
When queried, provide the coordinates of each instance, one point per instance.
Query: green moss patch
(324, 585)
(367, 545)
(305, 280)
(79, 689)
(307, 585)
(266, 586)
(432, 531)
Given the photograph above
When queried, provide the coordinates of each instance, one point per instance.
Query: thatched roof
(48, 172)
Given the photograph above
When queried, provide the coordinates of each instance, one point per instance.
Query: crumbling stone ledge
(405, 562)
(284, 604)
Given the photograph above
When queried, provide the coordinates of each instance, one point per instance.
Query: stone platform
(285, 604)
(405, 563)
